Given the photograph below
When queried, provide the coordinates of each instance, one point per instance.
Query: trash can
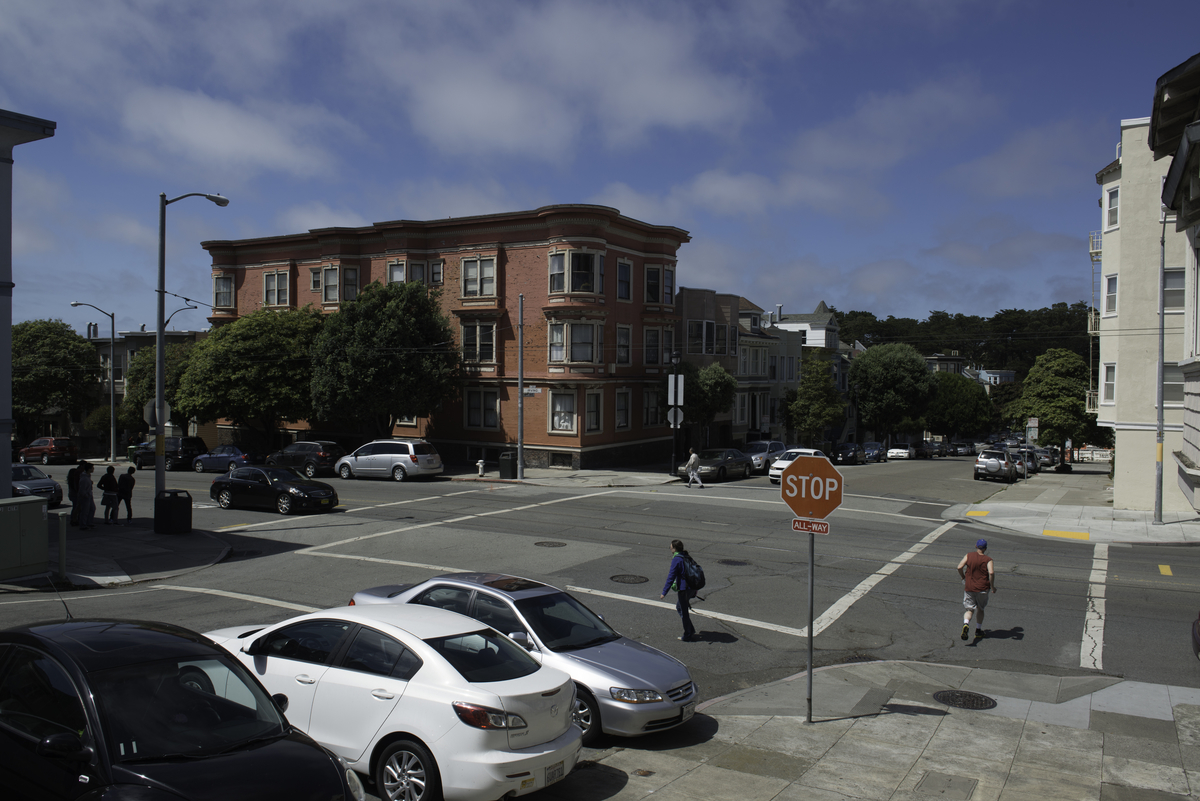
(173, 512)
(508, 464)
(129, 452)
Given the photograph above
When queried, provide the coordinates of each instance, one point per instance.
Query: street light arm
(218, 199)
(97, 308)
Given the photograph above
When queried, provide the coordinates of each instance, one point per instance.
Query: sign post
(812, 488)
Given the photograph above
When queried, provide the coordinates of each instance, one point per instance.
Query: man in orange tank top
(979, 578)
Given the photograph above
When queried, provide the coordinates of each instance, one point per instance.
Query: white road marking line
(53, 599)
(376, 559)
(842, 508)
(745, 621)
(1091, 649)
(282, 519)
(240, 596)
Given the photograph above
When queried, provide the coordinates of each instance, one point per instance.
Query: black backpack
(694, 574)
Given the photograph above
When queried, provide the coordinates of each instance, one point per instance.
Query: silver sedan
(625, 688)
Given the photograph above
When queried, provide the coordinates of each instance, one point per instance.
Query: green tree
(387, 354)
(817, 404)
(707, 392)
(890, 383)
(1055, 392)
(959, 406)
(52, 368)
(140, 384)
(255, 371)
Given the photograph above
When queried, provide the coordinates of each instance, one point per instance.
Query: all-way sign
(813, 526)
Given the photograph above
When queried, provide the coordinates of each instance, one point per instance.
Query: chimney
(143, 326)
(779, 312)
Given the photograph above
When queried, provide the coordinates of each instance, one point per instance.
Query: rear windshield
(993, 455)
(755, 447)
(424, 449)
(483, 656)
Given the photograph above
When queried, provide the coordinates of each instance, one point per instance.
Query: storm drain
(961, 699)
(625, 578)
(549, 544)
(732, 562)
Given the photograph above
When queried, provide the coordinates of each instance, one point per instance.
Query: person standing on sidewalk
(72, 494)
(108, 485)
(125, 492)
(83, 497)
(693, 469)
(977, 570)
(677, 582)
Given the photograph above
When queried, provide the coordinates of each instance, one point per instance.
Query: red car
(49, 449)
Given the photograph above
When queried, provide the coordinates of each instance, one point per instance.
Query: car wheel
(45, 458)
(198, 466)
(746, 472)
(587, 716)
(196, 679)
(169, 463)
(284, 503)
(21, 458)
(231, 466)
(406, 772)
(225, 499)
(270, 463)
(775, 481)
(344, 471)
(975, 476)
(721, 474)
(310, 469)
(398, 473)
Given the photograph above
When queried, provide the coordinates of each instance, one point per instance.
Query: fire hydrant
(479, 464)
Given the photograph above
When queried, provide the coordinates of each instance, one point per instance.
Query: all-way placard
(814, 526)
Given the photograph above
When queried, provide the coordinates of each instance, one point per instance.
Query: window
(772, 371)
(330, 283)
(622, 412)
(314, 280)
(1112, 208)
(557, 274)
(116, 376)
(695, 336)
(416, 272)
(478, 277)
(722, 333)
(791, 368)
(624, 280)
(652, 343)
(307, 641)
(223, 291)
(624, 338)
(482, 407)
(586, 268)
(710, 337)
(349, 283)
(592, 412)
(755, 361)
(1110, 294)
(396, 272)
(652, 412)
(745, 361)
(37, 697)
(741, 407)
(275, 289)
(668, 343)
(1110, 383)
(479, 342)
(1172, 383)
(653, 284)
(562, 411)
(557, 349)
(1173, 290)
(668, 285)
(435, 272)
(582, 342)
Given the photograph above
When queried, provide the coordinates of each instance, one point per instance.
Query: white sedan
(902, 452)
(777, 467)
(427, 702)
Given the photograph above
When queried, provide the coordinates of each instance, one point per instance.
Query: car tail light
(351, 603)
(483, 717)
(413, 456)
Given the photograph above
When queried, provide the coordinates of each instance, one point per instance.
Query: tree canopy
(53, 368)
(255, 371)
(387, 354)
(707, 392)
(959, 406)
(140, 380)
(1054, 392)
(890, 382)
(816, 403)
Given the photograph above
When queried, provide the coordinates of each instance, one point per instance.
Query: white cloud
(315, 214)
(1036, 161)
(432, 198)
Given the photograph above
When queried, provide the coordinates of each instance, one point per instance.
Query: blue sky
(882, 155)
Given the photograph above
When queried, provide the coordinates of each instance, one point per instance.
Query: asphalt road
(885, 580)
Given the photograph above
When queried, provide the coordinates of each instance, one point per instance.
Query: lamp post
(112, 378)
(160, 351)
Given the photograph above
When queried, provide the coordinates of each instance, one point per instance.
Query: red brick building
(600, 320)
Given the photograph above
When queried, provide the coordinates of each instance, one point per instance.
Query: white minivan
(397, 459)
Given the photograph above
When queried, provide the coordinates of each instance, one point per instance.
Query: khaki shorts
(975, 600)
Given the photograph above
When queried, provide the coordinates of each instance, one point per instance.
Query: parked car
(849, 453)
(931, 448)
(902, 452)
(721, 463)
(49, 450)
(285, 491)
(29, 480)
(1046, 457)
(1032, 462)
(963, 449)
(428, 702)
(995, 463)
(395, 458)
(623, 687)
(178, 452)
(311, 458)
(763, 453)
(789, 456)
(875, 451)
(225, 458)
(128, 710)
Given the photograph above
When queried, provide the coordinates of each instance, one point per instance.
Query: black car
(849, 453)
(28, 480)
(875, 451)
(124, 710)
(178, 452)
(224, 458)
(318, 456)
(285, 491)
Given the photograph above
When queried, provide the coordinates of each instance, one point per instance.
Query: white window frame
(479, 327)
(561, 339)
(667, 338)
(722, 343)
(562, 420)
(436, 272)
(556, 338)
(744, 363)
(273, 293)
(668, 286)
(218, 281)
(593, 412)
(624, 344)
(1112, 208)
(652, 354)
(406, 420)
(483, 400)
(482, 285)
(1108, 387)
(397, 272)
(330, 287)
(624, 399)
(625, 268)
(1111, 298)
(556, 265)
(413, 268)
(1171, 292)
(583, 335)
(1173, 377)
(314, 279)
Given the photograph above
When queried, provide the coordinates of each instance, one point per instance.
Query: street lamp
(160, 351)
(112, 378)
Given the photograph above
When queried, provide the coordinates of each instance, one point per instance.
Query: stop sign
(811, 486)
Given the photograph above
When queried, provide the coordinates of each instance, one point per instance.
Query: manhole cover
(961, 699)
(549, 544)
(732, 562)
(627, 579)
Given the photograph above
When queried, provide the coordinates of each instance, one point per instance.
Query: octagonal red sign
(811, 486)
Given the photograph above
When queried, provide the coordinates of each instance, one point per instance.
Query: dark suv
(309, 458)
(178, 451)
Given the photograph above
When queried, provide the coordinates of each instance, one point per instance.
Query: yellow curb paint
(1071, 535)
(1165, 570)
(976, 514)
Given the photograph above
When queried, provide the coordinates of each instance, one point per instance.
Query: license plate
(554, 773)
(324, 500)
(689, 709)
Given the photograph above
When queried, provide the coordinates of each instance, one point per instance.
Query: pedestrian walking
(978, 573)
(108, 486)
(693, 469)
(677, 583)
(72, 494)
(125, 492)
(83, 496)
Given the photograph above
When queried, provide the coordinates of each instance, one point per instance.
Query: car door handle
(304, 678)
(383, 695)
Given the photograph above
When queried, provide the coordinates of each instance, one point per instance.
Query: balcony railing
(1096, 243)
(1094, 322)
(1093, 402)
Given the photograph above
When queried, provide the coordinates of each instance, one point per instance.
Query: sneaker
(966, 630)
(979, 635)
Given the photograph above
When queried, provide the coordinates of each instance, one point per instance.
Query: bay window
(479, 342)
(223, 291)
(622, 411)
(275, 289)
(562, 411)
(624, 280)
(349, 283)
(592, 412)
(479, 277)
(653, 284)
(624, 338)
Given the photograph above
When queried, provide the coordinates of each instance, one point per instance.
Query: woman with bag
(108, 485)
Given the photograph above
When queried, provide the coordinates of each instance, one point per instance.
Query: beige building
(1126, 256)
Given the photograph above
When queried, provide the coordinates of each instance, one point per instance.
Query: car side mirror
(64, 745)
(256, 648)
(522, 639)
(281, 701)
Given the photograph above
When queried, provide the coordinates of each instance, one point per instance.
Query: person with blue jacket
(677, 582)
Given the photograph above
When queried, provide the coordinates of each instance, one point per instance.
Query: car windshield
(483, 656)
(563, 623)
(282, 474)
(24, 472)
(846, 447)
(712, 454)
(790, 456)
(182, 708)
(755, 447)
